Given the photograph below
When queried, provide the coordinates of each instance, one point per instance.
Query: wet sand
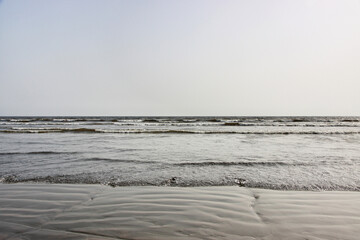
(60, 211)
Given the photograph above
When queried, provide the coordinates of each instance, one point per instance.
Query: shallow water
(288, 153)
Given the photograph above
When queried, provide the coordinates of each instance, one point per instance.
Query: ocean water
(287, 153)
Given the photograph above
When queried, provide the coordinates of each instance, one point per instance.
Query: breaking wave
(165, 131)
(177, 182)
(180, 119)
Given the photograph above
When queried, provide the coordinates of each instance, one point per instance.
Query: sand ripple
(45, 211)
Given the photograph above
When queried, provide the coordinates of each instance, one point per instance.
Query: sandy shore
(45, 211)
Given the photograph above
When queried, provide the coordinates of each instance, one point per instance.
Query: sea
(283, 153)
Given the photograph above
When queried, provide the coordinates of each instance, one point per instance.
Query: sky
(179, 57)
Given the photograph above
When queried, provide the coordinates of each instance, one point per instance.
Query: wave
(214, 120)
(50, 130)
(300, 187)
(178, 182)
(300, 120)
(150, 121)
(69, 179)
(350, 120)
(187, 121)
(96, 159)
(8, 125)
(239, 163)
(169, 131)
(35, 153)
(231, 124)
(22, 120)
(70, 119)
(184, 118)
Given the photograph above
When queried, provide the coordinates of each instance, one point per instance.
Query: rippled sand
(45, 211)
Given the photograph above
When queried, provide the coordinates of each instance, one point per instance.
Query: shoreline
(84, 211)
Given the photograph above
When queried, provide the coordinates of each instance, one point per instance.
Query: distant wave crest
(165, 131)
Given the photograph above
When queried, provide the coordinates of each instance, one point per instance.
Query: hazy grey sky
(188, 57)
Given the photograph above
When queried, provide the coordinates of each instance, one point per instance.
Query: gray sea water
(288, 153)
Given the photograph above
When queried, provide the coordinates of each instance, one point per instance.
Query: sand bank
(51, 211)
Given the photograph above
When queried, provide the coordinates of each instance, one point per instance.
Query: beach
(179, 120)
(157, 178)
(84, 211)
